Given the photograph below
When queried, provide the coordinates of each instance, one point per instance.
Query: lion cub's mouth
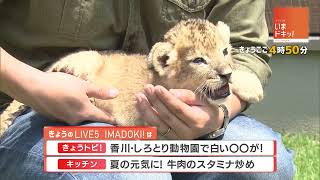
(222, 92)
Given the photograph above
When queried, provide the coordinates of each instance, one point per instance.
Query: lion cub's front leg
(247, 86)
(84, 64)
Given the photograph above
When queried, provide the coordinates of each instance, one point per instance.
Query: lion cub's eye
(199, 60)
(225, 51)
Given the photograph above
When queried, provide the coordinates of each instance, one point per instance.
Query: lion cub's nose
(225, 72)
(227, 76)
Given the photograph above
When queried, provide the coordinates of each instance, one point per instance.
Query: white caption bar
(164, 148)
(162, 164)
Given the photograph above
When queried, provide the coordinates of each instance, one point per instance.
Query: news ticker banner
(160, 164)
(160, 148)
(135, 149)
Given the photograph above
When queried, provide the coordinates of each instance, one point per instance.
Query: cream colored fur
(170, 63)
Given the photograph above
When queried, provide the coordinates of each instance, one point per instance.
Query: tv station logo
(291, 24)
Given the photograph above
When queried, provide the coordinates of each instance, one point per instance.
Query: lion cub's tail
(14, 109)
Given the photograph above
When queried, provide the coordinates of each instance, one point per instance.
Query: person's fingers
(95, 114)
(150, 116)
(146, 111)
(101, 93)
(187, 96)
(176, 106)
(168, 133)
(165, 114)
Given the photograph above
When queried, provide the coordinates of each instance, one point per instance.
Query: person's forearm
(16, 78)
(59, 96)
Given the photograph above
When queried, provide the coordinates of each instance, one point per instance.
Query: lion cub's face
(195, 55)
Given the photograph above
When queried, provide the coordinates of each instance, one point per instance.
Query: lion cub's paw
(4, 125)
(247, 86)
(14, 109)
(84, 64)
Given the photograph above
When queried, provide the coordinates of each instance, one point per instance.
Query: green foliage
(307, 154)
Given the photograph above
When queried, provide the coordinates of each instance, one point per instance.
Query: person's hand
(64, 97)
(59, 96)
(180, 110)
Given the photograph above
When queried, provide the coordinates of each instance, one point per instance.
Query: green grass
(307, 154)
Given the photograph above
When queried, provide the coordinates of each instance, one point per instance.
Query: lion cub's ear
(224, 31)
(161, 56)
